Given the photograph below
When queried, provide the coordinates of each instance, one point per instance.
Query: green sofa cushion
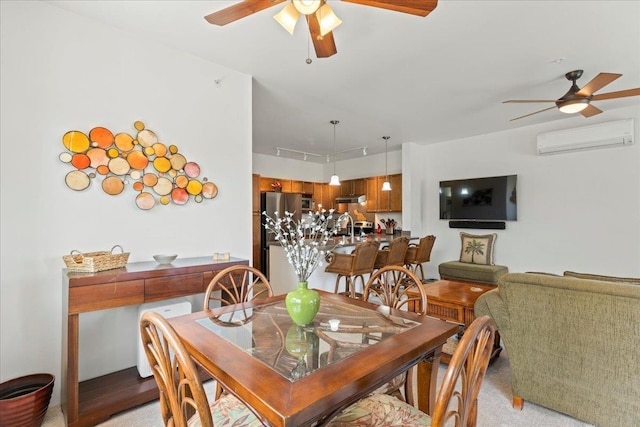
(466, 272)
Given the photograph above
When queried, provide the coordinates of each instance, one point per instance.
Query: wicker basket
(92, 262)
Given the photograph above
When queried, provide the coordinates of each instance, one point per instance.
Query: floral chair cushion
(381, 410)
(228, 411)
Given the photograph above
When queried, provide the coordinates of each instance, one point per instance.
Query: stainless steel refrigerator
(272, 203)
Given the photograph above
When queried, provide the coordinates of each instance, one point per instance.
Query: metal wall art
(159, 173)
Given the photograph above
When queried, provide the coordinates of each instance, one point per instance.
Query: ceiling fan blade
(590, 111)
(240, 10)
(531, 114)
(618, 94)
(325, 46)
(522, 101)
(598, 82)
(413, 7)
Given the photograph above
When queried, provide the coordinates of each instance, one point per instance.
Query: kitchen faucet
(341, 218)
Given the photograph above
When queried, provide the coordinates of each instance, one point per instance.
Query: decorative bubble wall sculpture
(156, 171)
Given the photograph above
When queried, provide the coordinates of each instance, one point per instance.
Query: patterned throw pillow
(477, 249)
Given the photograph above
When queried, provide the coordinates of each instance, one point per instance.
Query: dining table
(291, 375)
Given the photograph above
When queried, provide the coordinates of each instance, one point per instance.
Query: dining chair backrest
(181, 391)
(397, 287)
(457, 400)
(365, 256)
(458, 396)
(237, 284)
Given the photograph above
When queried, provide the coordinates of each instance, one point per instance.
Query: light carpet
(494, 407)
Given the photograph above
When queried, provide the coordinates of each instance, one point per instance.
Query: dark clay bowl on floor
(24, 400)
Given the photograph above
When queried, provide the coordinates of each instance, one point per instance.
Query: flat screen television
(485, 199)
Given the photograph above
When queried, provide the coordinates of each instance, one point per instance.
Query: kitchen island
(282, 276)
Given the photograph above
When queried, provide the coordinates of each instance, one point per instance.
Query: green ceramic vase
(303, 304)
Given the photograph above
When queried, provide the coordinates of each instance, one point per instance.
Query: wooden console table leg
(427, 379)
(70, 370)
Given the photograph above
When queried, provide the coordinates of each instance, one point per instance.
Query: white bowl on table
(165, 258)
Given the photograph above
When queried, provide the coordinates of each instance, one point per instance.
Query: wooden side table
(453, 301)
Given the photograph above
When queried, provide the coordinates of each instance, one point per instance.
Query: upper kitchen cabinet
(395, 195)
(307, 187)
(384, 201)
(317, 192)
(329, 194)
(296, 187)
(372, 194)
(353, 187)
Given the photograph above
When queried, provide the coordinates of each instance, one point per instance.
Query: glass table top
(269, 335)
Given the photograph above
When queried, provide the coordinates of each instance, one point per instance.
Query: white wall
(576, 211)
(62, 72)
(360, 167)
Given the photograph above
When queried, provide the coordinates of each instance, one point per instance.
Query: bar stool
(418, 254)
(353, 266)
(393, 254)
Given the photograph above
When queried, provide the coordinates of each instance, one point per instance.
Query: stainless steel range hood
(351, 199)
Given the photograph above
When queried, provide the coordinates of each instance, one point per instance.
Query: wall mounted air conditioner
(602, 135)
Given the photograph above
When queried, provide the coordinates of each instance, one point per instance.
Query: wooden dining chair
(418, 254)
(395, 287)
(183, 401)
(237, 284)
(457, 399)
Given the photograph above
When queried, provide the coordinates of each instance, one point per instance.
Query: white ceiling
(415, 79)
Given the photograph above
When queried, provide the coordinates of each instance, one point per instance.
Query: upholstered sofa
(573, 343)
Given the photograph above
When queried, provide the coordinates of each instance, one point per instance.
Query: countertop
(339, 242)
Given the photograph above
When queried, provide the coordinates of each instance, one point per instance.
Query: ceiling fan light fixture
(327, 19)
(288, 17)
(573, 105)
(306, 7)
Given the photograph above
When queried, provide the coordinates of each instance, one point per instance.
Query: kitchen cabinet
(383, 196)
(395, 196)
(384, 201)
(265, 183)
(372, 194)
(318, 188)
(353, 187)
(307, 187)
(255, 219)
(296, 187)
(329, 194)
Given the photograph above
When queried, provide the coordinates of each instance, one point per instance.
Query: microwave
(307, 202)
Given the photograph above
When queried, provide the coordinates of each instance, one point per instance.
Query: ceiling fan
(578, 100)
(320, 18)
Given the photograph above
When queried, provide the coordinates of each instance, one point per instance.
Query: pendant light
(335, 180)
(386, 185)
